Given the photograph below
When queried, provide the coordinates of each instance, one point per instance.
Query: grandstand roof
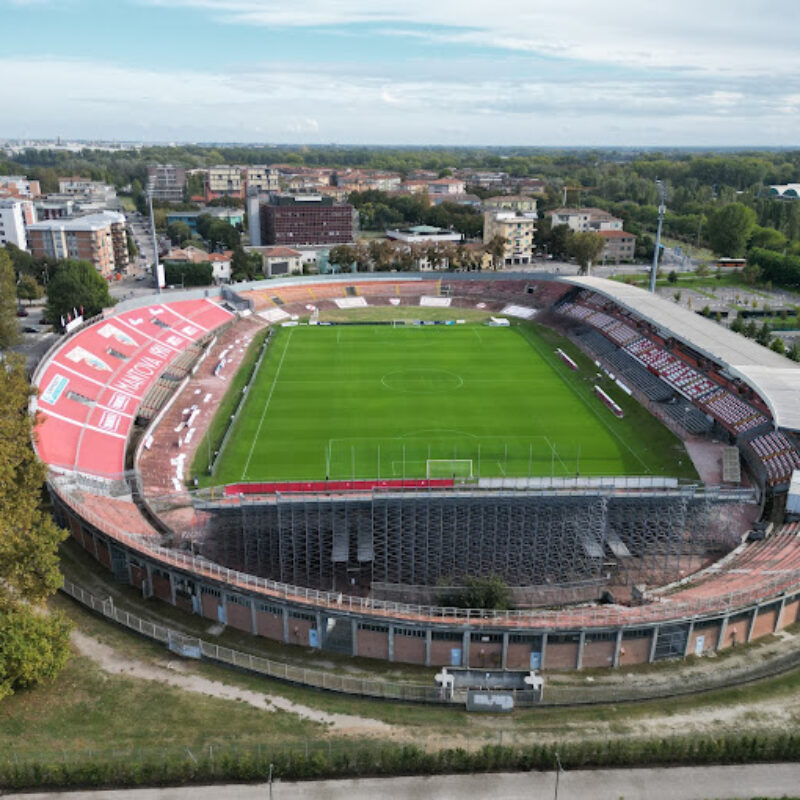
(774, 377)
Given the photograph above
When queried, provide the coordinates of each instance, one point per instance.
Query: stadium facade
(292, 565)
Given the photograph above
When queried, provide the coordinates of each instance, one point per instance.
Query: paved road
(682, 783)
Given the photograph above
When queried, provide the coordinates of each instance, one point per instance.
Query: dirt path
(779, 713)
(177, 674)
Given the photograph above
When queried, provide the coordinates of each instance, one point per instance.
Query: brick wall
(372, 644)
(409, 649)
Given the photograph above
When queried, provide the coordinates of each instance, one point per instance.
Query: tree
(34, 643)
(381, 253)
(244, 265)
(794, 351)
(28, 289)
(76, 285)
(496, 248)
(133, 250)
(729, 229)
(342, 256)
(478, 592)
(672, 276)
(179, 232)
(9, 328)
(586, 247)
(559, 240)
(738, 324)
(184, 273)
(764, 334)
(777, 344)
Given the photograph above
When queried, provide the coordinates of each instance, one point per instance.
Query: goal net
(449, 468)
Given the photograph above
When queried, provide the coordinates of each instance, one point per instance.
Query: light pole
(662, 199)
(155, 242)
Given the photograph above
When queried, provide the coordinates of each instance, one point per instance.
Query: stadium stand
(778, 455)
(687, 416)
(730, 411)
(100, 378)
(88, 403)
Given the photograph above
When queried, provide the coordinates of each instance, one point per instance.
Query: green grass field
(435, 401)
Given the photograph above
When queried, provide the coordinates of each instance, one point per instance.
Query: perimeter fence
(671, 684)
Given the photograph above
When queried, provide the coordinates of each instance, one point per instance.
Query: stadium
(326, 461)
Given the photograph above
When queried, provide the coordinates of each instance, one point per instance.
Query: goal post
(449, 468)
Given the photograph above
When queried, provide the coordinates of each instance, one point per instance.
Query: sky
(633, 73)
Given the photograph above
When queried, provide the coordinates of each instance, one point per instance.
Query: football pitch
(464, 401)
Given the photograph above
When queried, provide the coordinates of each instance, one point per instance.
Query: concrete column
(752, 625)
(148, 568)
(390, 636)
(354, 636)
(687, 651)
(653, 642)
(723, 629)
(581, 643)
(427, 647)
(172, 589)
(94, 542)
(465, 648)
(777, 616)
(319, 628)
(544, 649)
(617, 648)
(224, 605)
(504, 651)
(253, 619)
(285, 625)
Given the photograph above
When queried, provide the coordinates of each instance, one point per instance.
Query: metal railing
(662, 610)
(671, 685)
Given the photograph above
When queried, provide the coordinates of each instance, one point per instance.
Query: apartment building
(520, 203)
(224, 181)
(15, 216)
(166, 182)
(99, 238)
(19, 186)
(585, 220)
(306, 221)
(55, 207)
(261, 179)
(447, 186)
(517, 229)
(87, 189)
(620, 246)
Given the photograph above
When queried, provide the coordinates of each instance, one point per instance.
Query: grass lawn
(466, 400)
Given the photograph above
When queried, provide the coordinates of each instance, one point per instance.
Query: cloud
(717, 36)
(306, 102)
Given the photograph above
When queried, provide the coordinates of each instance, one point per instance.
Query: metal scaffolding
(527, 538)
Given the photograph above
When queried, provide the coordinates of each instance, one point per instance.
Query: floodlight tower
(662, 207)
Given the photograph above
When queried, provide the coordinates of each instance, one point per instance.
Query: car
(22, 312)
(28, 329)
(44, 321)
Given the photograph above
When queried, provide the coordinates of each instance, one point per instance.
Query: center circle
(422, 381)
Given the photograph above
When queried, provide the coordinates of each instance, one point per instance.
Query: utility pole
(662, 199)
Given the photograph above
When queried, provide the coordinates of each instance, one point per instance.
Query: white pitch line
(266, 405)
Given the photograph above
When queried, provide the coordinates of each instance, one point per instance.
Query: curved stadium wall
(706, 614)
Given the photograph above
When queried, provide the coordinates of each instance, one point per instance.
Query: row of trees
(34, 641)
